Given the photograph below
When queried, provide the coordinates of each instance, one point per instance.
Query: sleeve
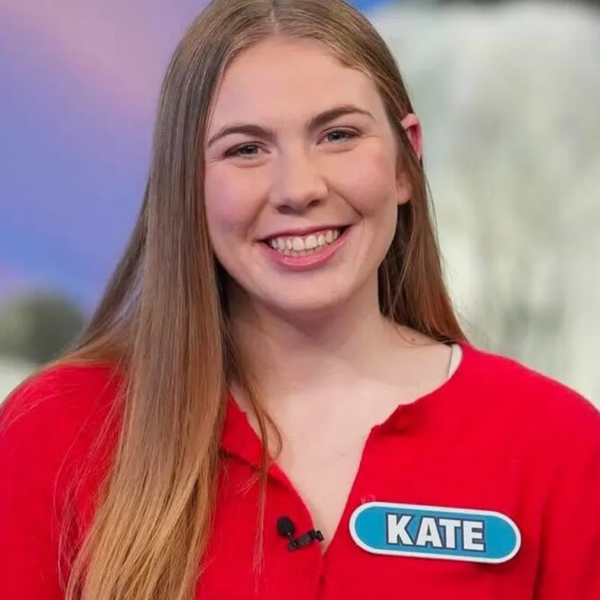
(570, 561)
(29, 501)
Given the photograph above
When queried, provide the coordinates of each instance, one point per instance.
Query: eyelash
(237, 151)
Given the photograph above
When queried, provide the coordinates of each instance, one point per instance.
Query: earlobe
(414, 132)
(404, 191)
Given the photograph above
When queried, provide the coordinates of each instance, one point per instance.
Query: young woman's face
(301, 183)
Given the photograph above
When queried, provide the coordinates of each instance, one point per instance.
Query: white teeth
(310, 242)
(304, 245)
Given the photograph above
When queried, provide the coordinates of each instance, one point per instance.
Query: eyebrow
(317, 122)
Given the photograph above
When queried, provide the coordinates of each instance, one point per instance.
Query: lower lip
(306, 262)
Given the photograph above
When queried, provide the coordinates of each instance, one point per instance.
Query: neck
(315, 351)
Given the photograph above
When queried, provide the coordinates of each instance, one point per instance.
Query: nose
(298, 182)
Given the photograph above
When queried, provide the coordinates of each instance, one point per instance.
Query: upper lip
(301, 232)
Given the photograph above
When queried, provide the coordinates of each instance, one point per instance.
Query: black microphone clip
(286, 528)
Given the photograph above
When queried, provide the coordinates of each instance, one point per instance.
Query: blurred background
(509, 95)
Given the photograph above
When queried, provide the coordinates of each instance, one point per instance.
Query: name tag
(435, 532)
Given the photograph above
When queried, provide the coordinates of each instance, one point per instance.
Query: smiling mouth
(307, 244)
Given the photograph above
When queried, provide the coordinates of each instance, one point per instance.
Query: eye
(244, 151)
(340, 135)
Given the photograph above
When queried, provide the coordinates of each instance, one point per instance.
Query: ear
(412, 127)
(414, 132)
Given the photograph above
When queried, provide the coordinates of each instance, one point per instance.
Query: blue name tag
(435, 532)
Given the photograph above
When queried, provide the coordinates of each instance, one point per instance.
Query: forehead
(290, 77)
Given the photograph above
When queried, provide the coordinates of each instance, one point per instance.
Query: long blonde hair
(164, 316)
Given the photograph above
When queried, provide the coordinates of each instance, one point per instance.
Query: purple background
(79, 82)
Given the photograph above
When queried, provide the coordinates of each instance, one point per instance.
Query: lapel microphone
(287, 529)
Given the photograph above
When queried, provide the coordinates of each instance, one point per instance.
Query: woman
(274, 398)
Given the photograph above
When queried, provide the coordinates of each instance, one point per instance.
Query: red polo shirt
(496, 437)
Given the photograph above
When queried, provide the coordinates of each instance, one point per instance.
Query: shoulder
(531, 402)
(55, 448)
(65, 393)
(59, 410)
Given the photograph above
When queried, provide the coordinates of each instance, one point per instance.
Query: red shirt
(496, 437)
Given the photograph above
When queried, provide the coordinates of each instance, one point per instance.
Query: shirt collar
(435, 410)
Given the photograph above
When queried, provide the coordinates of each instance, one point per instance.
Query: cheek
(229, 207)
(370, 184)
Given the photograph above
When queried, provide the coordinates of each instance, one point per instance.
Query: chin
(305, 306)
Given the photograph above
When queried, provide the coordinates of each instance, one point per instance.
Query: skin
(342, 172)
(328, 364)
